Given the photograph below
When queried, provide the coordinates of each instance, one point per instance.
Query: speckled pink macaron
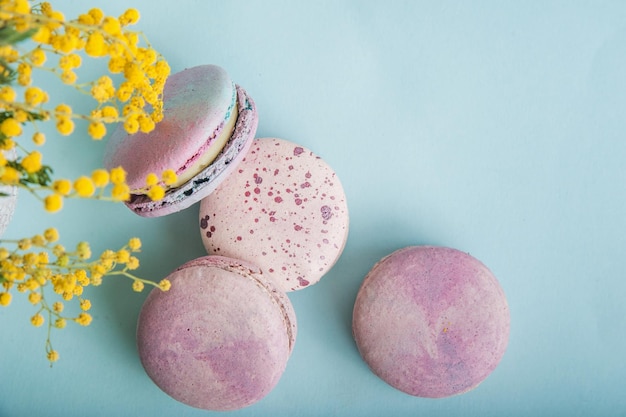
(284, 209)
(208, 125)
(431, 321)
(220, 338)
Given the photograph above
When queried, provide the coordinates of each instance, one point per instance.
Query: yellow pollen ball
(120, 192)
(51, 234)
(84, 250)
(146, 124)
(122, 256)
(133, 263)
(34, 297)
(7, 94)
(152, 179)
(39, 138)
(5, 299)
(156, 192)
(130, 17)
(39, 240)
(38, 57)
(65, 125)
(24, 244)
(37, 320)
(124, 91)
(165, 285)
(62, 186)
(116, 64)
(100, 177)
(21, 116)
(42, 35)
(24, 69)
(85, 305)
(34, 96)
(109, 114)
(95, 45)
(118, 175)
(84, 319)
(134, 244)
(63, 110)
(131, 125)
(96, 14)
(169, 177)
(32, 162)
(7, 144)
(85, 19)
(65, 63)
(10, 127)
(53, 203)
(10, 175)
(97, 130)
(111, 25)
(53, 356)
(84, 187)
(138, 286)
(68, 77)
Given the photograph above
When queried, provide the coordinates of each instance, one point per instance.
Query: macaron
(208, 125)
(220, 338)
(431, 321)
(284, 209)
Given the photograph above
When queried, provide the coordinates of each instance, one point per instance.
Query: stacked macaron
(208, 125)
(273, 219)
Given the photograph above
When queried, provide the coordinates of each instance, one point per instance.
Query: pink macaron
(431, 321)
(208, 125)
(220, 338)
(284, 209)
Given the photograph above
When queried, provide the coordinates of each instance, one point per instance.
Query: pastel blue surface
(496, 128)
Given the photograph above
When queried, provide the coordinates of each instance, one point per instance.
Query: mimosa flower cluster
(136, 101)
(39, 267)
(36, 37)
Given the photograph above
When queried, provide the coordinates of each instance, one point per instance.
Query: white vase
(7, 203)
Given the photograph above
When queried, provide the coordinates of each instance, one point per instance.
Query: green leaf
(10, 36)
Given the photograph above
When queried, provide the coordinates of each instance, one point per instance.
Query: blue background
(494, 127)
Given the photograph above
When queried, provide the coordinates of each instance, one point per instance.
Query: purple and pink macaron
(431, 321)
(220, 338)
